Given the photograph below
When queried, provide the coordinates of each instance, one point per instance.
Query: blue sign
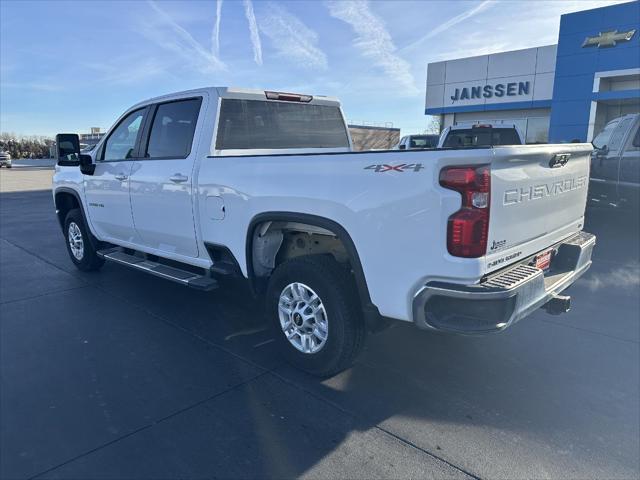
(487, 91)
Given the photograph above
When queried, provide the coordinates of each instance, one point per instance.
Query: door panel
(107, 190)
(107, 193)
(161, 183)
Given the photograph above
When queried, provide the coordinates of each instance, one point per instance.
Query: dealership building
(553, 93)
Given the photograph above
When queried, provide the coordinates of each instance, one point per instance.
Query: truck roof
(236, 92)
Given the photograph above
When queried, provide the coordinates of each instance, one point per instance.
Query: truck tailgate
(538, 197)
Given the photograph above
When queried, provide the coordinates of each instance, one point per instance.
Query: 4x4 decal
(380, 168)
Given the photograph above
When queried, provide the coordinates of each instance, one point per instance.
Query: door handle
(121, 177)
(178, 178)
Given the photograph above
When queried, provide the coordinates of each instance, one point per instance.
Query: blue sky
(69, 66)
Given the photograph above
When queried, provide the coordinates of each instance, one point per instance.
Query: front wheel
(79, 245)
(314, 309)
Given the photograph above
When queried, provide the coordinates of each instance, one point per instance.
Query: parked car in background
(87, 148)
(615, 163)
(5, 159)
(481, 135)
(411, 142)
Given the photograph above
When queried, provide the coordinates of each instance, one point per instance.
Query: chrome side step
(185, 277)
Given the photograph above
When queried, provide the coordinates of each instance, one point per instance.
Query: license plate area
(543, 260)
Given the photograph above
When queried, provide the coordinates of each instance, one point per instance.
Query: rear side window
(172, 130)
(257, 124)
(482, 137)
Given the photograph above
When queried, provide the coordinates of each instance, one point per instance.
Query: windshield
(423, 141)
(602, 139)
(482, 137)
(258, 124)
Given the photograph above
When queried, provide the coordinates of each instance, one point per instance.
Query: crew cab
(615, 164)
(480, 135)
(197, 185)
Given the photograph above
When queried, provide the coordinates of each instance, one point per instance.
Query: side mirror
(87, 166)
(67, 149)
(402, 147)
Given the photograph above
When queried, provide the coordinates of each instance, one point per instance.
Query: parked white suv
(409, 142)
(218, 181)
(5, 159)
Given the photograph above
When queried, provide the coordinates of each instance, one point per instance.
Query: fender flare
(74, 194)
(92, 238)
(371, 312)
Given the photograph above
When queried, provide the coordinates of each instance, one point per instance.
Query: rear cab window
(276, 125)
(482, 137)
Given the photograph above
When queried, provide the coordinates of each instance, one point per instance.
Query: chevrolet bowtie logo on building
(608, 39)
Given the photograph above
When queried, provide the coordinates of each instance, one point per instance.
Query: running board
(184, 277)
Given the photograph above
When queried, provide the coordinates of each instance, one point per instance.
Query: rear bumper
(504, 298)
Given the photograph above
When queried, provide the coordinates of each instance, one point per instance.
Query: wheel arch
(372, 315)
(66, 199)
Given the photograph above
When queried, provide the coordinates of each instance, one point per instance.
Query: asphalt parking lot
(122, 375)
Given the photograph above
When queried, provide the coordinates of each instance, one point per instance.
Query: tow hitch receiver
(558, 304)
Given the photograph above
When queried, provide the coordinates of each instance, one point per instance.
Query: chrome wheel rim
(76, 244)
(303, 318)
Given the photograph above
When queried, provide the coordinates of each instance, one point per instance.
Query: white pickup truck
(196, 185)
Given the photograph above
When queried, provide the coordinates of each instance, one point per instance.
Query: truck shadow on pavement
(121, 374)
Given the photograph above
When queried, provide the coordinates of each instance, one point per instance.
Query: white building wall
(533, 65)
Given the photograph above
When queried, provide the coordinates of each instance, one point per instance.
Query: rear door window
(174, 124)
(257, 124)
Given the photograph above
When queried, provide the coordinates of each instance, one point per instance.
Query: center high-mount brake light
(468, 228)
(288, 97)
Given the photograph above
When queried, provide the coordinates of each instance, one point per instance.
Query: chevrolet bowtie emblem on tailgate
(608, 39)
(559, 160)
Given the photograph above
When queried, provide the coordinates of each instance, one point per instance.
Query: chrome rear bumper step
(185, 277)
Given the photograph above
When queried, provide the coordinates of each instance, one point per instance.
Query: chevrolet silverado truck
(199, 185)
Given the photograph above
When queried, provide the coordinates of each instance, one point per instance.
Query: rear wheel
(79, 245)
(315, 314)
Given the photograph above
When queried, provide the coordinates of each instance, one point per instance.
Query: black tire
(88, 261)
(8, 166)
(335, 286)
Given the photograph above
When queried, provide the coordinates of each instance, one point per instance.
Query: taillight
(468, 228)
